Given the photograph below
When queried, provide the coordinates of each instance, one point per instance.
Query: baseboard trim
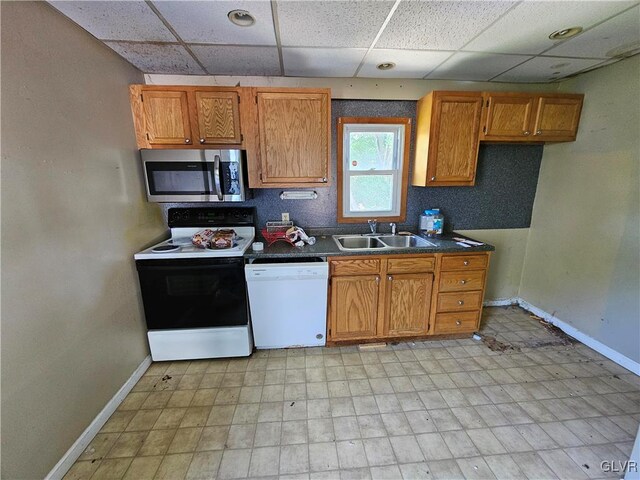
(80, 445)
(501, 302)
(610, 353)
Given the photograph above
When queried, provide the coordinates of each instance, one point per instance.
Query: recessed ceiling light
(565, 33)
(386, 66)
(242, 18)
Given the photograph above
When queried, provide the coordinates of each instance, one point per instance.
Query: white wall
(73, 214)
(582, 258)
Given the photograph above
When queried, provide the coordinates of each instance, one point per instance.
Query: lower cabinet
(408, 302)
(399, 296)
(354, 301)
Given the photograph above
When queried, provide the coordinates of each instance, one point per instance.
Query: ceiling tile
(409, 63)
(439, 25)
(352, 24)
(322, 62)
(117, 20)
(543, 69)
(527, 27)
(155, 58)
(476, 66)
(613, 37)
(225, 60)
(207, 22)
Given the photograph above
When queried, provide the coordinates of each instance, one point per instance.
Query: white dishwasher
(288, 302)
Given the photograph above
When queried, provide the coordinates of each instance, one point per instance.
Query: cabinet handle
(202, 140)
(539, 132)
(527, 132)
(460, 302)
(390, 278)
(458, 322)
(463, 282)
(377, 279)
(187, 140)
(465, 263)
(433, 179)
(324, 179)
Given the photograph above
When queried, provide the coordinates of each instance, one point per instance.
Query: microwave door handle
(216, 176)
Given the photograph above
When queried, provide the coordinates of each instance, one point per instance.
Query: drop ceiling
(499, 41)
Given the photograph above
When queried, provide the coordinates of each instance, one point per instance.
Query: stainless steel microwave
(195, 175)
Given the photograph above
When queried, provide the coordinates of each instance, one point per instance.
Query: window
(373, 168)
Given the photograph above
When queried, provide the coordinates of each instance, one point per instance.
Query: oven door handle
(177, 268)
(216, 176)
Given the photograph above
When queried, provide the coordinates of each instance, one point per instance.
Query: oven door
(193, 293)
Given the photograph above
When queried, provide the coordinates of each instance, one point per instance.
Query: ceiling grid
(469, 40)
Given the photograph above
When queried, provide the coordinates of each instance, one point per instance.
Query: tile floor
(439, 409)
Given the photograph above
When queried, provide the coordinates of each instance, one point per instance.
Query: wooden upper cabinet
(294, 137)
(557, 117)
(166, 117)
(218, 117)
(408, 304)
(447, 139)
(354, 307)
(186, 117)
(508, 115)
(530, 117)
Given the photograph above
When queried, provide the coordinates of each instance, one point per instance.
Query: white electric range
(195, 299)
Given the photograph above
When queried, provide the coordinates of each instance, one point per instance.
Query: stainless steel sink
(369, 242)
(405, 241)
(357, 242)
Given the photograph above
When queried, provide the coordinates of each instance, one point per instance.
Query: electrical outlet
(285, 217)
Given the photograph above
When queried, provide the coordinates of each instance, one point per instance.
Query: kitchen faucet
(393, 228)
(373, 225)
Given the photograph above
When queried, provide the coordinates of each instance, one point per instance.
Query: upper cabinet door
(294, 137)
(218, 117)
(447, 139)
(166, 117)
(508, 116)
(557, 117)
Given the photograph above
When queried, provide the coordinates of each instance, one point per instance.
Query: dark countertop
(325, 246)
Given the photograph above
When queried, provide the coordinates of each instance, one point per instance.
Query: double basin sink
(380, 242)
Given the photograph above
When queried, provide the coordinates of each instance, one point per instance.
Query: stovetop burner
(165, 248)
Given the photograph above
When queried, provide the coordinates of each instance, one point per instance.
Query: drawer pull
(465, 263)
(458, 322)
(390, 278)
(377, 279)
(460, 302)
(463, 282)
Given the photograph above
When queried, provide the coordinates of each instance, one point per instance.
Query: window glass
(371, 193)
(372, 150)
(373, 160)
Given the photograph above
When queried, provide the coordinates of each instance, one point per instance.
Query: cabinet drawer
(456, 322)
(355, 267)
(461, 281)
(454, 302)
(464, 262)
(411, 264)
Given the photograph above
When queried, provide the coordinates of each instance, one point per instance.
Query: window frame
(403, 172)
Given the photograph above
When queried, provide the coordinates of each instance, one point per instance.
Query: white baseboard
(80, 445)
(611, 354)
(501, 302)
